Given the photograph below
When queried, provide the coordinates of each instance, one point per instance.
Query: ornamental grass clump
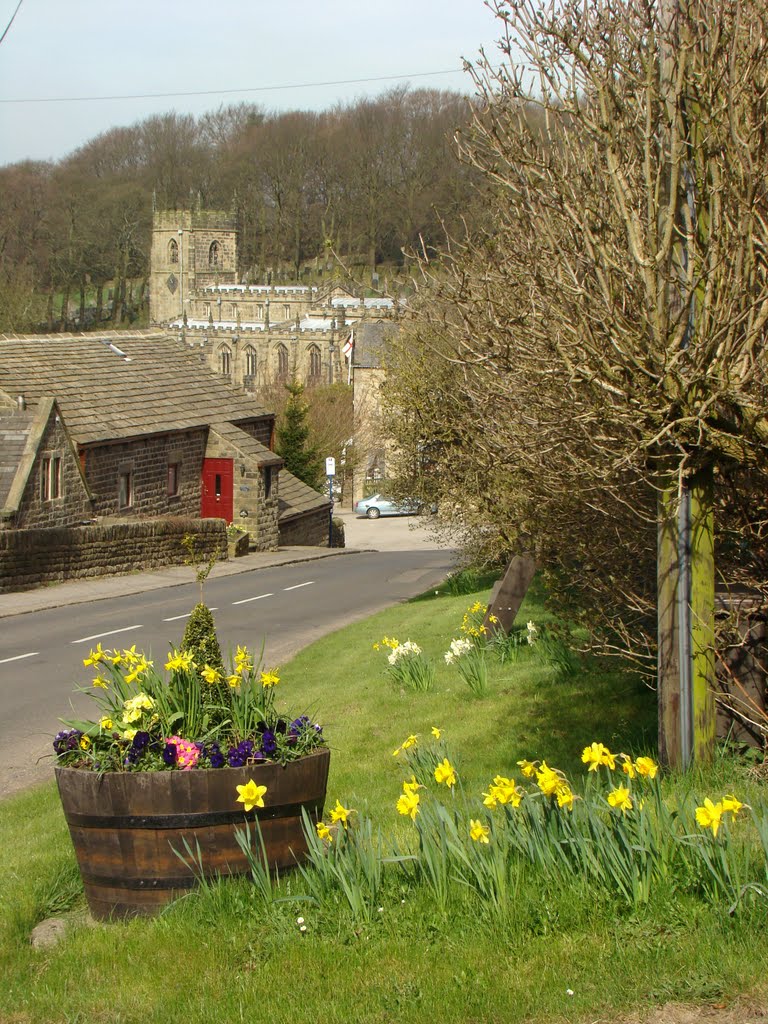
(195, 715)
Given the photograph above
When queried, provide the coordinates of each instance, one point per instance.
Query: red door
(216, 500)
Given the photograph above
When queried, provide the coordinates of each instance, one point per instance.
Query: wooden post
(704, 714)
(668, 678)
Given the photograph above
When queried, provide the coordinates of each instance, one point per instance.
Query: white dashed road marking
(296, 587)
(247, 599)
(112, 632)
(19, 657)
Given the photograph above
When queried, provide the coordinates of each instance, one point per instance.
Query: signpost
(330, 472)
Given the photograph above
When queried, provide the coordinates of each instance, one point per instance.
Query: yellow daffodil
(179, 661)
(411, 741)
(596, 754)
(101, 683)
(730, 803)
(548, 779)
(412, 786)
(710, 815)
(564, 796)
(94, 657)
(620, 799)
(323, 832)
(646, 767)
(130, 656)
(502, 791)
(340, 813)
(211, 675)
(117, 658)
(445, 772)
(528, 768)
(139, 667)
(436, 732)
(627, 766)
(250, 795)
(408, 804)
(478, 832)
(234, 680)
(269, 679)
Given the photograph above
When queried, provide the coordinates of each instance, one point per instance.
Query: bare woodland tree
(602, 344)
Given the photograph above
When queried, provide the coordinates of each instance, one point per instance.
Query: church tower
(191, 250)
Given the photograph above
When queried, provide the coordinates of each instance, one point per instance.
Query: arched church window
(314, 361)
(213, 254)
(173, 251)
(225, 360)
(282, 361)
(250, 361)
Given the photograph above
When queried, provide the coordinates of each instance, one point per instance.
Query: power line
(8, 26)
(227, 92)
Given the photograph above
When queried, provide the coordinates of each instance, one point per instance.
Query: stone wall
(251, 510)
(147, 459)
(30, 558)
(310, 529)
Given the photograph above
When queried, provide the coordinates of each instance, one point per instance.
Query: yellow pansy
(106, 722)
(250, 795)
(84, 743)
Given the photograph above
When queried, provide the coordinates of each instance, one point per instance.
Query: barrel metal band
(180, 821)
(146, 884)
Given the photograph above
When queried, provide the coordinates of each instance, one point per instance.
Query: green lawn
(559, 950)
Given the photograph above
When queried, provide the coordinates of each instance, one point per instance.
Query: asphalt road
(287, 606)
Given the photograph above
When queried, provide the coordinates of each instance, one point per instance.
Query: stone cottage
(134, 425)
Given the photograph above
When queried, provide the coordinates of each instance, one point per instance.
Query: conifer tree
(301, 458)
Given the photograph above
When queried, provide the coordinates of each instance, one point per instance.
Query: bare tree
(608, 328)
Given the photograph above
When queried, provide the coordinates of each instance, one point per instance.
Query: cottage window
(282, 361)
(50, 477)
(267, 481)
(225, 360)
(125, 489)
(250, 361)
(173, 479)
(173, 251)
(213, 254)
(314, 361)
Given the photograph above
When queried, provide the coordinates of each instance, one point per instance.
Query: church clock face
(172, 283)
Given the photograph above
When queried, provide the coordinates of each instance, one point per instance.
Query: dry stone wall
(310, 529)
(30, 558)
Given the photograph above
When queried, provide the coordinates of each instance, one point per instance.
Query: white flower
(459, 647)
(299, 920)
(533, 632)
(403, 651)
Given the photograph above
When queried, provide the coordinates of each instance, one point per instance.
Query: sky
(66, 65)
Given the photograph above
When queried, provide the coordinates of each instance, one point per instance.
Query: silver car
(377, 505)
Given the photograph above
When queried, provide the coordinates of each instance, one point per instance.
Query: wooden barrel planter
(125, 827)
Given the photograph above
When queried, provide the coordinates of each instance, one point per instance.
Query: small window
(217, 487)
(50, 477)
(207, 310)
(282, 361)
(286, 312)
(250, 361)
(173, 479)
(225, 360)
(173, 251)
(260, 311)
(234, 311)
(267, 481)
(125, 489)
(314, 361)
(213, 255)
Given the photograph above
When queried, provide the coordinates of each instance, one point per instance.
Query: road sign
(330, 466)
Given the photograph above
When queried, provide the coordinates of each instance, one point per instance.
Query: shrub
(200, 638)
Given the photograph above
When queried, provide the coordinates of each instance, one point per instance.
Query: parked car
(377, 505)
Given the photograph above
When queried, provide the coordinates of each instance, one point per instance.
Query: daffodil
(94, 657)
(502, 791)
(436, 732)
(250, 795)
(730, 803)
(408, 804)
(596, 754)
(564, 795)
(101, 683)
(548, 779)
(179, 661)
(411, 741)
(412, 786)
(269, 679)
(646, 767)
(710, 815)
(340, 813)
(628, 767)
(234, 680)
(445, 772)
(211, 675)
(528, 768)
(620, 799)
(323, 832)
(478, 831)
(139, 667)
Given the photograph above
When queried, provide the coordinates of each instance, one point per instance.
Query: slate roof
(296, 498)
(370, 343)
(246, 444)
(15, 432)
(121, 385)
